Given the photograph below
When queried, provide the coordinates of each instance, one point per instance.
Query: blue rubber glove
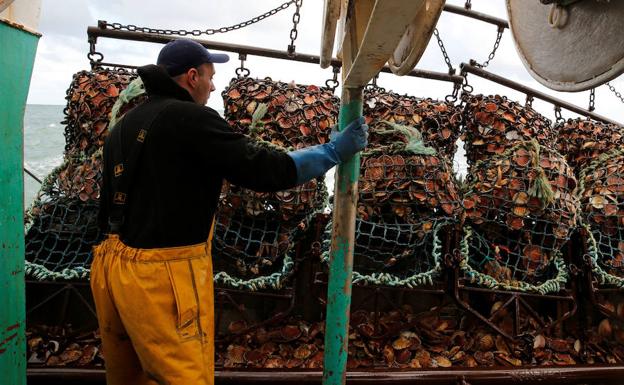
(317, 160)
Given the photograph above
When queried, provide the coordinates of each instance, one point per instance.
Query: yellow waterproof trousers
(155, 309)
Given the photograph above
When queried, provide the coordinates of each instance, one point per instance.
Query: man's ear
(192, 76)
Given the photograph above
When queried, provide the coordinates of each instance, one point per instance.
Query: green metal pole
(341, 253)
(17, 54)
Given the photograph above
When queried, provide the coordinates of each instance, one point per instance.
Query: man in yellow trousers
(164, 164)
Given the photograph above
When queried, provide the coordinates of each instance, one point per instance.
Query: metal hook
(241, 71)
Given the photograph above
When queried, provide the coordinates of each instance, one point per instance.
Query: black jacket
(187, 153)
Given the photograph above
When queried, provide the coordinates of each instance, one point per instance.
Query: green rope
(414, 145)
(274, 281)
(41, 273)
(552, 285)
(541, 188)
(134, 89)
(603, 277)
(256, 124)
(414, 281)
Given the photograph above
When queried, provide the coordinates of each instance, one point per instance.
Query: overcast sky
(62, 49)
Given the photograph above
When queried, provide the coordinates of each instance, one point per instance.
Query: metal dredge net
(583, 140)
(407, 194)
(601, 190)
(437, 121)
(520, 210)
(495, 123)
(284, 116)
(255, 233)
(90, 98)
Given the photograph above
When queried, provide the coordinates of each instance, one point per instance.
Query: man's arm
(244, 162)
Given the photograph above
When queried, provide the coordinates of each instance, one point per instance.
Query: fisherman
(164, 164)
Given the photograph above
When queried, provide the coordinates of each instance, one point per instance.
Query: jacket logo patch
(142, 135)
(119, 198)
(118, 169)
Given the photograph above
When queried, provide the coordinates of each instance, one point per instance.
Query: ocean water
(43, 144)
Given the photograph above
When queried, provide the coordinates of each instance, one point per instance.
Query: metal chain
(468, 4)
(592, 100)
(242, 72)
(293, 32)
(332, 83)
(447, 60)
(94, 56)
(499, 35)
(615, 92)
(558, 117)
(197, 32)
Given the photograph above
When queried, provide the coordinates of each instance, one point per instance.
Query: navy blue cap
(178, 56)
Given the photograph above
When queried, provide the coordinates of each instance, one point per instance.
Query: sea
(44, 142)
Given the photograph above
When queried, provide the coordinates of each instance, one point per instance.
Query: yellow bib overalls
(156, 313)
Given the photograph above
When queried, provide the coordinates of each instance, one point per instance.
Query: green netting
(485, 262)
(395, 254)
(253, 253)
(601, 191)
(520, 211)
(60, 232)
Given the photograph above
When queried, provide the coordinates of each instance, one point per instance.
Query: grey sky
(63, 47)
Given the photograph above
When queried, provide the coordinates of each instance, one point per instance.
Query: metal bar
(32, 175)
(472, 69)
(476, 15)
(568, 375)
(494, 291)
(341, 252)
(18, 54)
(117, 65)
(255, 51)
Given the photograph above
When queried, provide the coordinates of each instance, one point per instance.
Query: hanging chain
(242, 72)
(94, 56)
(592, 100)
(447, 60)
(373, 84)
(293, 32)
(197, 32)
(468, 4)
(558, 117)
(499, 35)
(615, 92)
(332, 83)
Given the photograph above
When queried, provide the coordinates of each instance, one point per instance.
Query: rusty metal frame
(102, 31)
(64, 289)
(472, 68)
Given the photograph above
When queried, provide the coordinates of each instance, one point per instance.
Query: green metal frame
(16, 61)
(341, 253)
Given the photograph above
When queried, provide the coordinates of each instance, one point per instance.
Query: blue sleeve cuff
(314, 161)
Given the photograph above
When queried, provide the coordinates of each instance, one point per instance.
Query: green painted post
(341, 254)
(17, 54)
